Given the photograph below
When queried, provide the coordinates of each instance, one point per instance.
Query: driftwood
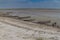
(43, 22)
(29, 20)
(39, 22)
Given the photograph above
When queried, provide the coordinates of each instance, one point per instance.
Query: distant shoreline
(33, 9)
(29, 9)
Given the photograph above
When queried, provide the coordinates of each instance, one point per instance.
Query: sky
(30, 4)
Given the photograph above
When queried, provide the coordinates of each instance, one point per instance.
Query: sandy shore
(14, 29)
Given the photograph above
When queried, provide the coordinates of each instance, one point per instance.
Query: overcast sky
(29, 3)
